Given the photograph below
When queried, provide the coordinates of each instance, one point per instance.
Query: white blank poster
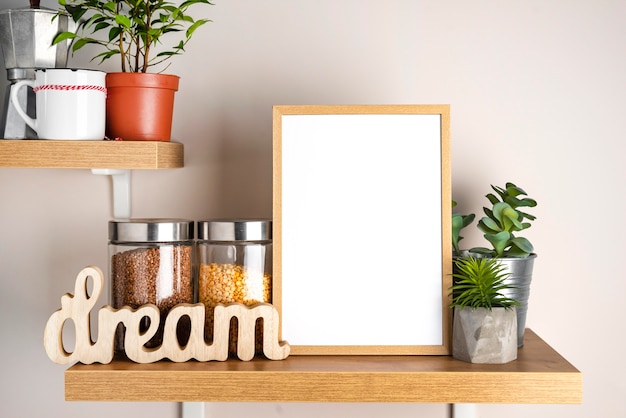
(360, 232)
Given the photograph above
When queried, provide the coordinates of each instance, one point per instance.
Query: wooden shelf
(30, 153)
(539, 375)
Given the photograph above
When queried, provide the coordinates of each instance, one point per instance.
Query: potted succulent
(140, 102)
(503, 220)
(500, 226)
(485, 321)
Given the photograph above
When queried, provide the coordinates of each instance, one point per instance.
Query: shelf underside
(29, 153)
(539, 375)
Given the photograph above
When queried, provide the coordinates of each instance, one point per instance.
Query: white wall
(537, 94)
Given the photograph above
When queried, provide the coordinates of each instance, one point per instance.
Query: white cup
(70, 103)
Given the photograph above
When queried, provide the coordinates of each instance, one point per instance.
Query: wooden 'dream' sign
(78, 307)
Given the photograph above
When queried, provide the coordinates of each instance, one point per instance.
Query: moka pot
(26, 40)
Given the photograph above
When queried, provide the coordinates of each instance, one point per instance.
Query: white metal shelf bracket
(463, 410)
(192, 410)
(120, 183)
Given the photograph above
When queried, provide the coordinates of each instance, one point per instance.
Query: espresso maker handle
(34, 4)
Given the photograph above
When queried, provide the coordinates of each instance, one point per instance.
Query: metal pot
(521, 274)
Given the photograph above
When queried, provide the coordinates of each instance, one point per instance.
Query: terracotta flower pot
(140, 106)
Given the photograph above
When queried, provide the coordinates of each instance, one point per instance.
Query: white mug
(70, 103)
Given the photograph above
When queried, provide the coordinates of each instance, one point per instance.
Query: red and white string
(66, 87)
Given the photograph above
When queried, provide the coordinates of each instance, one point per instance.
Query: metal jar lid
(235, 230)
(151, 230)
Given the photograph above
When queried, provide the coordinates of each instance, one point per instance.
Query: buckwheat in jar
(151, 262)
(234, 265)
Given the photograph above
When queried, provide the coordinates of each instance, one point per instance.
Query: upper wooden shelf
(30, 153)
(539, 375)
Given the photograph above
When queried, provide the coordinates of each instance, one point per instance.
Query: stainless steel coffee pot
(26, 36)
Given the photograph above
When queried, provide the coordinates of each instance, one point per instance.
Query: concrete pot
(480, 335)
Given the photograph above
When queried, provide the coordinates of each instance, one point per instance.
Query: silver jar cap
(235, 230)
(151, 230)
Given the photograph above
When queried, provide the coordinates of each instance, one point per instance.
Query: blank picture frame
(361, 228)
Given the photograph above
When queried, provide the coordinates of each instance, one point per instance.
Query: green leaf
(488, 252)
(488, 225)
(515, 202)
(510, 219)
(166, 54)
(456, 226)
(498, 210)
(114, 33)
(513, 190)
(75, 11)
(79, 43)
(489, 213)
(110, 6)
(123, 21)
(457, 221)
(106, 55)
(492, 198)
(499, 241)
(527, 215)
(523, 244)
(468, 219)
(195, 26)
(100, 26)
(63, 36)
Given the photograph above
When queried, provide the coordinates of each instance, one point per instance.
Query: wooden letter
(78, 308)
(247, 317)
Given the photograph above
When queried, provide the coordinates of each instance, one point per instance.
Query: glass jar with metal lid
(234, 265)
(151, 262)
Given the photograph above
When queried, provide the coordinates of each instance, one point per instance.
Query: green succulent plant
(131, 29)
(459, 222)
(478, 283)
(504, 220)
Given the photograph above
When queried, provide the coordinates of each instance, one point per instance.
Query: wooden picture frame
(362, 234)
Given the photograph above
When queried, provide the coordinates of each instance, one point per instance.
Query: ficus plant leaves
(134, 28)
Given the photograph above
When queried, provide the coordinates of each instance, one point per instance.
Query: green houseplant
(503, 220)
(485, 319)
(136, 32)
(501, 225)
